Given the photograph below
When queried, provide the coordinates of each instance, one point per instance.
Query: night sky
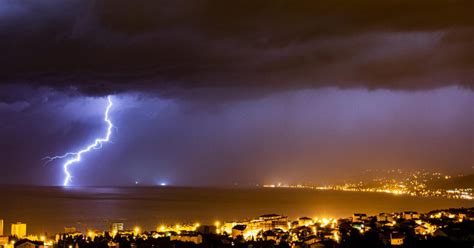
(219, 92)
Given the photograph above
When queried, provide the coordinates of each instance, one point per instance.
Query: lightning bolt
(76, 156)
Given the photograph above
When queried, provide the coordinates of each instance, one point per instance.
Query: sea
(48, 210)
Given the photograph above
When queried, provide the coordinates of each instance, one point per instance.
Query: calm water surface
(50, 209)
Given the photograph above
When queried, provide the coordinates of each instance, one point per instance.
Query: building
(26, 243)
(227, 226)
(4, 241)
(358, 217)
(1, 227)
(19, 230)
(421, 230)
(238, 230)
(313, 239)
(385, 217)
(269, 222)
(192, 238)
(270, 236)
(305, 221)
(396, 239)
(117, 227)
(410, 215)
(392, 238)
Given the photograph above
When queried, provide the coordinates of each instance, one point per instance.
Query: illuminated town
(450, 227)
(399, 182)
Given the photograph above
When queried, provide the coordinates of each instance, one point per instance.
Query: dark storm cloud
(102, 47)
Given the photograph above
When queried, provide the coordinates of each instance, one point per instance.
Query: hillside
(455, 182)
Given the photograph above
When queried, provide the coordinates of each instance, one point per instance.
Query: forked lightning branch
(75, 157)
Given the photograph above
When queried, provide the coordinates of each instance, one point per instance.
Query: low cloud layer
(112, 46)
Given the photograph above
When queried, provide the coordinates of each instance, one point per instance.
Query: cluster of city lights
(322, 226)
(397, 182)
